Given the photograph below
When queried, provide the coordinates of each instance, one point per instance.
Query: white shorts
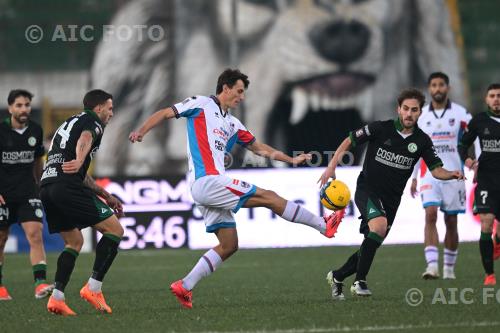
(449, 195)
(218, 198)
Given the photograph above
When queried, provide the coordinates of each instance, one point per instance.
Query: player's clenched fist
(135, 136)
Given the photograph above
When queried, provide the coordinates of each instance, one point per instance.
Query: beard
(439, 97)
(22, 118)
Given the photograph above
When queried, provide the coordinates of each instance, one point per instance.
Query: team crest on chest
(412, 147)
(451, 121)
(32, 141)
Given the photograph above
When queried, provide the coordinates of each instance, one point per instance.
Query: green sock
(366, 254)
(39, 273)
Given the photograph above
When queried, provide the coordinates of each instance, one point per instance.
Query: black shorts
(371, 205)
(19, 211)
(486, 201)
(69, 206)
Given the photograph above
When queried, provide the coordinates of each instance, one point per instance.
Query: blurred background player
(486, 126)
(69, 196)
(21, 147)
(394, 147)
(212, 131)
(444, 122)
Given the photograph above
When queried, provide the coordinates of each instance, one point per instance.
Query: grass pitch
(269, 290)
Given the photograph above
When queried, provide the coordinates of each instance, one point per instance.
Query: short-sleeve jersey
(19, 152)
(445, 130)
(486, 126)
(211, 132)
(390, 157)
(63, 147)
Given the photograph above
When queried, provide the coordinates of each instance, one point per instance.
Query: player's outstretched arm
(83, 146)
(264, 150)
(443, 174)
(151, 122)
(330, 169)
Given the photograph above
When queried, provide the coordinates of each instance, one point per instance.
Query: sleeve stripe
(437, 165)
(353, 142)
(176, 112)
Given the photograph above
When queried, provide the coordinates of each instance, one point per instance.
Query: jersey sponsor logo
(442, 135)
(221, 133)
(394, 160)
(442, 149)
(412, 147)
(491, 145)
(32, 141)
(49, 172)
(219, 145)
(55, 159)
(15, 157)
(245, 185)
(188, 99)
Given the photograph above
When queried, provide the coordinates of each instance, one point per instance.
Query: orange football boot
(184, 296)
(333, 222)
(490, 280)
(4, 294)
(95, 298)
(59, 307)
(43, 290)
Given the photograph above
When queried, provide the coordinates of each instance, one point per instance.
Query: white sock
(298, 214)
(95, 285)
(207, 264)
(450, 258)
(432, 256)
(57, 294)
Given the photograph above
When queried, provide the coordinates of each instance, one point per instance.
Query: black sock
(40, 273)
(366, 254)
(65, 265)
(0, 274)
(486, 249)
(348, 268)
(105, 252)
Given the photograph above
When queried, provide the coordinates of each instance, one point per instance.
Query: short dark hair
(229, 77)
(13, 94)
(493, 86)
(438, 75)
(411, 93)
(95, 97)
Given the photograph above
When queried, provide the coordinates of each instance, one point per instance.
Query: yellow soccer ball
(335, 195)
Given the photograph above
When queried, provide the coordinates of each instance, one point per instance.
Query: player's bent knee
(75, 244)
(111, 225)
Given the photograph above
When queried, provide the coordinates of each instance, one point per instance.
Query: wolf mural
(318, 68)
